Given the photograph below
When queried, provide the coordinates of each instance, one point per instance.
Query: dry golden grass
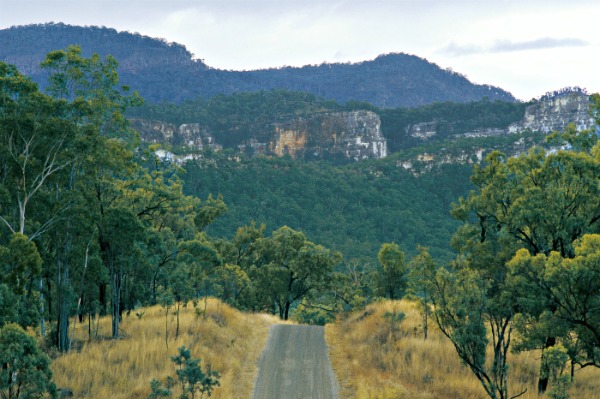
(371, 361)
(229, 340)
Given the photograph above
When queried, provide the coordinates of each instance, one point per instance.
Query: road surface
(295, 365)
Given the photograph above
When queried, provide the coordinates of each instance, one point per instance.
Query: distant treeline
(165, 71)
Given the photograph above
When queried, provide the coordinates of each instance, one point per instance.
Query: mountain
(165, 71)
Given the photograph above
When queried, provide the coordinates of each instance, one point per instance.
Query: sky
(527, 47)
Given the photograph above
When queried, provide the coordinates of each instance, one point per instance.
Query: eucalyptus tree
(35, 134)
(291, 268)
(38, 139)
(562, 296)
(241, 256)
(100, 163)
(471, 307)
(422, 270)
(539, 201)
(393, 270)
(25, 370)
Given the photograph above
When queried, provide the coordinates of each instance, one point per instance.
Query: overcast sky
(528, 47)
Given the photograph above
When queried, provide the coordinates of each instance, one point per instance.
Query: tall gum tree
(38, 136)
(291, 268)
(540, 201)
(101, 156)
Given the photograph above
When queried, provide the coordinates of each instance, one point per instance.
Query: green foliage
(560, 388)
(449, 118)
(24, 369)
(421, 277)
(555, 359)
(192, 381)
(561, 296)
(168, 71)
(313, 315)
(210, 211)
(288, 269)
(531, 209)
(8, 310)
(353, 208)
(466, 303)
(20, 267)
(393, 270)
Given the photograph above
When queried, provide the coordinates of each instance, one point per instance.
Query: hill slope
(224, 338)
(352, 209)
(163, 71)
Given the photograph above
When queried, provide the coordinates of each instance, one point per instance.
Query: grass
(230, 341)
(376, 359)
(373, 356)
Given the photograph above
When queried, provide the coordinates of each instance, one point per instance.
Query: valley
(445, 234)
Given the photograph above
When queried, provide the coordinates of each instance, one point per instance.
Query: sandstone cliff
(555, 113)
(549, 114)
(357, 135)
(338, 135)
(335, 136)
(191, 136)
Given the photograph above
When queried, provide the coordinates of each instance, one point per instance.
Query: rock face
(422, 130)
(338, 135)
(555, 113)
(190, 135)
(551, 113)
(356, 135)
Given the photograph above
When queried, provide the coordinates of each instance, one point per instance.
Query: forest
(94, 224)
(165, 71)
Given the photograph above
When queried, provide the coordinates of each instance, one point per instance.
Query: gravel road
(295, 365)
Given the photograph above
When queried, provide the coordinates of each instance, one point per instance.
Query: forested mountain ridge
(164, 71)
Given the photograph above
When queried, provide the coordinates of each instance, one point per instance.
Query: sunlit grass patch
(230, 341)
(376, 359)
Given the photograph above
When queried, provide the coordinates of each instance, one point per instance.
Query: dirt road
(295, 365)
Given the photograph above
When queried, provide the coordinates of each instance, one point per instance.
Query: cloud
(503, 46)
(538, 44)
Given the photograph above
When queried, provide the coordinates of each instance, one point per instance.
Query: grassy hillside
(372, 358)
(228, 340)
(375, 359)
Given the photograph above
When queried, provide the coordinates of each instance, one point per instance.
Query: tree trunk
(167, 326)
(426, 322)
(544, 372)
(116, 296)
(102, 299)
(42, 320)
(287, 310)
(177, 315)
(63, 315)
(572, 371)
